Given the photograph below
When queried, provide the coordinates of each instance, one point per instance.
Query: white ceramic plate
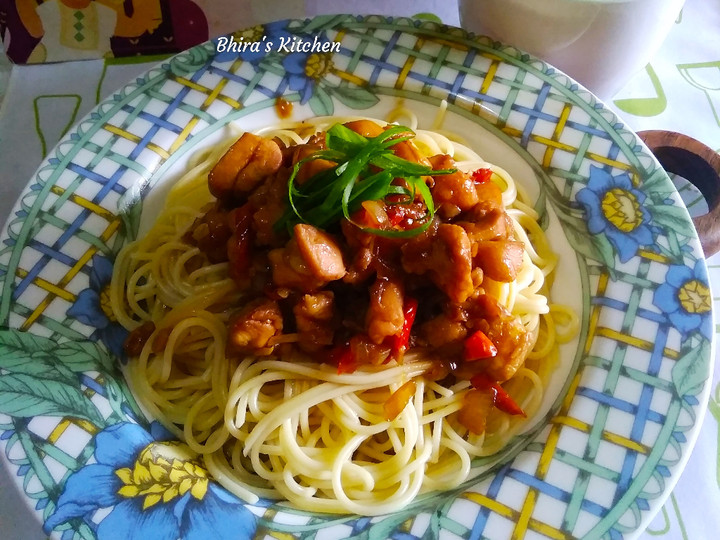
(623, 409)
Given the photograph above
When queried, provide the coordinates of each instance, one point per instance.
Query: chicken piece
(366, 128)
(494, 225)
(320, 251)
(361, 247)
(499, 259)
(210, 233)
(452, 193)
(489, 199)
(240, 245)
(310, 260)
(443, 330)
(405, 149)
(408, 151)
(270, 201)
(385, 316)
(246, 163)
(314, 314)
(250, 330)
(312, 167)
(507, 333)
(513, 344)
(446, 257)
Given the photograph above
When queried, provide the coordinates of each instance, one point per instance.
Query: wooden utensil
(698, 164)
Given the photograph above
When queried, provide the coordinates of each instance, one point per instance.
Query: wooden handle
(698, 164)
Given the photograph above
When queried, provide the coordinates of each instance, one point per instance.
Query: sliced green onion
(365, 170)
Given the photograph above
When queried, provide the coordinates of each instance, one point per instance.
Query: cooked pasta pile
(286, 426)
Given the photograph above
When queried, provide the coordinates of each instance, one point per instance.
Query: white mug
(599, 43)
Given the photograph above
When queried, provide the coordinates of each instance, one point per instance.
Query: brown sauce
(283, 108)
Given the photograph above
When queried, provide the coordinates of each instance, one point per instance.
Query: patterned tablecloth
(679, 90)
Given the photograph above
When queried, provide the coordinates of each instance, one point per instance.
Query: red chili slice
(481, 176)
(399, 342)
(478, 347)
(396, 214)
(501, 399)
(342, 356)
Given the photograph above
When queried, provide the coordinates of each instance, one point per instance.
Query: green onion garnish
(365, 169)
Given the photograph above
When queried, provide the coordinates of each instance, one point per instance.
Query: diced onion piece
(365, 352)
(376, 213)
(283, 338)
(398, 400)
(475, 408)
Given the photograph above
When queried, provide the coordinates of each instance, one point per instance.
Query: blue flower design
(154, 489)
(92, 307)
(685, 298)
(614, 208)
(305, 69)
(268, 37)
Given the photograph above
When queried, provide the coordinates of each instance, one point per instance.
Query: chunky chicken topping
(387, 274)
